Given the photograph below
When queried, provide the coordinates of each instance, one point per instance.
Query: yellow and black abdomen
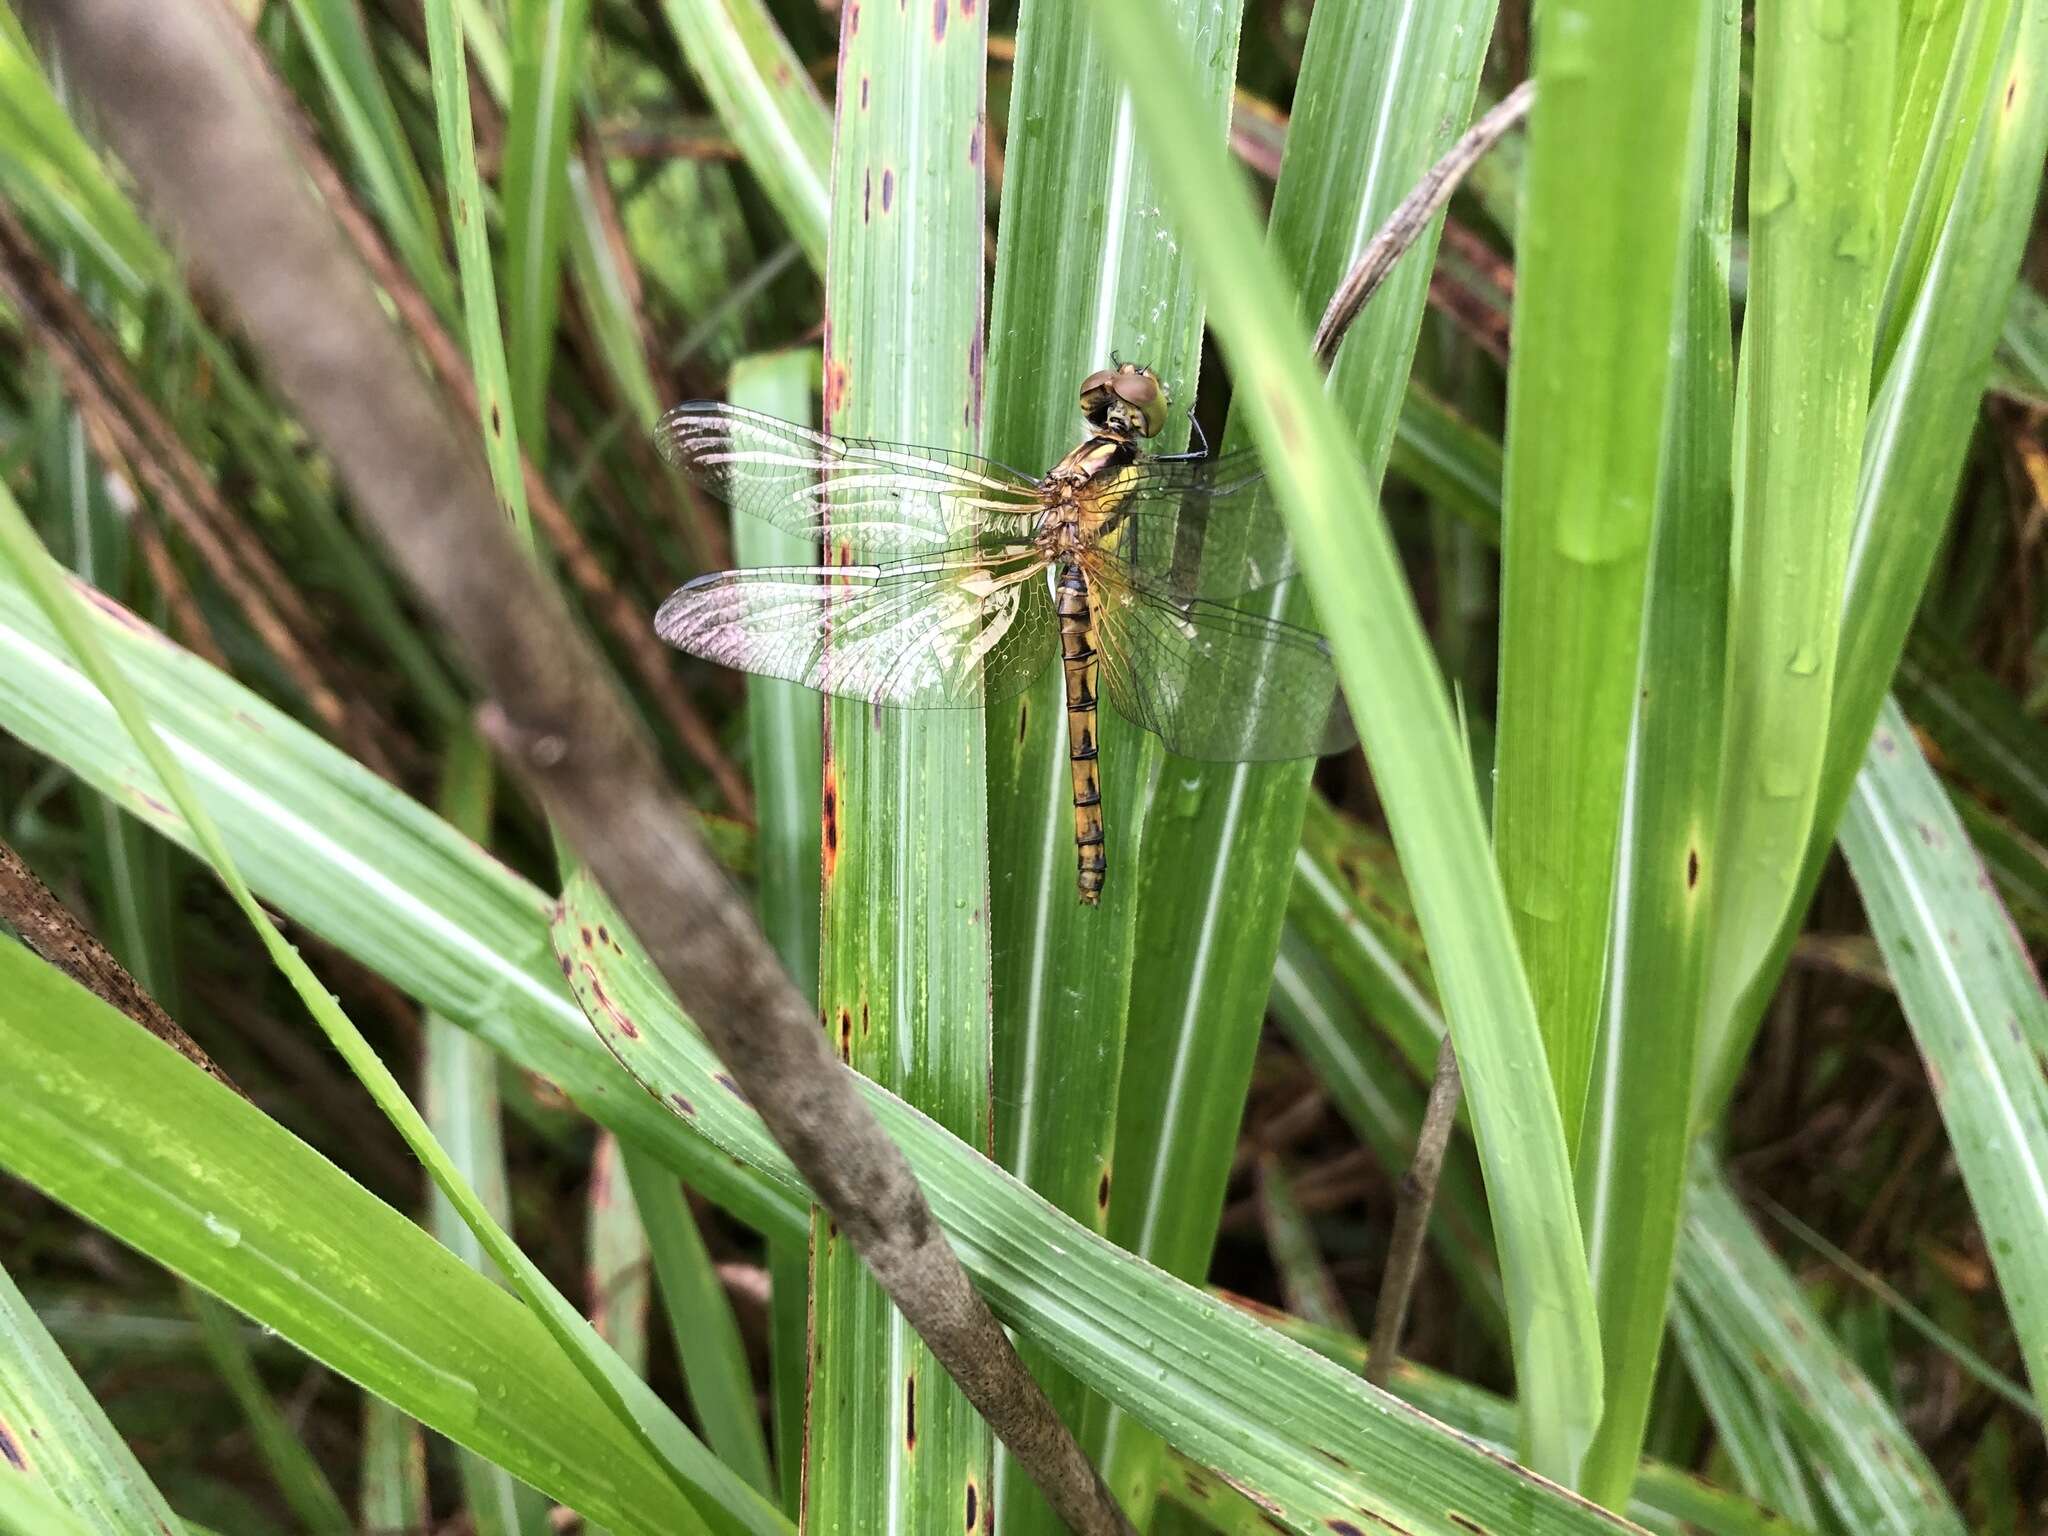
(1077, 661)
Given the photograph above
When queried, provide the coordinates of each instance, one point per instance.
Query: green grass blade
(1604, 206)
(2021, 366)
(547, 71)
(783, 726)
(2019, 865)
(304, 1487)
(1749, 1432)
(1382, 1102)
(1816, 222)
(1456, 463)
(461, 1104)
(783, 720)
(207, 1185)
(32, 1510)
(1883, 1294)
(1314, 1440)
(1383, 91)
(1349, 905)
(333, 30)
(1945, 52)
(1667, 1497)
(601, 286)
(617, 1262)
(460, 1100)
(1984, 735)
(1918, 431)
(392, 1487)
(1412, 742)
(1632, 1158)
(1869, 1470)
(57, 1438)
(904, 971)
(759, 90)
(1080, 273)
(1975, 1004)
(447, 56)
(701, 1324)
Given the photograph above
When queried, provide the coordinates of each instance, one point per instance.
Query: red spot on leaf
(837, 382)
(829, 826)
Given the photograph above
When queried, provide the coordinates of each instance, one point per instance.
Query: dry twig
(1413, 215)
(54, 932)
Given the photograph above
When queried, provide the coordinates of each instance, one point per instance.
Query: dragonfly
(1152, 578)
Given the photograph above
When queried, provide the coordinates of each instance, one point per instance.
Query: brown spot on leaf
(888, 188)
(1464, 1522)
(938, 21)
(598, 995)
(910, 1413)
(584, 934)
(974, 145)
(846, 1037)
(724, 1080)
(1692, 868)
(567, 968)
(863, 93)
(973, 1506)
(682, 1105)
(867, 193)
(10, 1450)
(829, 824)
(1344, 1528)
(837, 382)
(1102, 1191)
(497, 420)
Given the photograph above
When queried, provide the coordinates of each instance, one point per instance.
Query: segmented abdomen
(1077, 658)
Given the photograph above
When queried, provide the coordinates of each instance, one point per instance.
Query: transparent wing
(1197, 528)
(931, 632)
(891, 500)
(1215, 683)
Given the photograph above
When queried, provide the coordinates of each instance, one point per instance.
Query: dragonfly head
(1128, 400)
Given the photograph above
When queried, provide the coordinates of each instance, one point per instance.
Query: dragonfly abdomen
(1077, 661)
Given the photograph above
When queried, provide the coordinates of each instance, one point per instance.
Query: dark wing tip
(670, 439)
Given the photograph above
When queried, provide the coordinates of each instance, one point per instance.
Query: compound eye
(1140, 388)
(1095, 389)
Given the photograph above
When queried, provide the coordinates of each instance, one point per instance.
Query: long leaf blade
(1418, 758)
(1597, 262)
(1975, 1004)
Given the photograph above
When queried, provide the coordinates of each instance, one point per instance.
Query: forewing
(1216, 683)
(947, 630)
(1202, 527)
(887, 499)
